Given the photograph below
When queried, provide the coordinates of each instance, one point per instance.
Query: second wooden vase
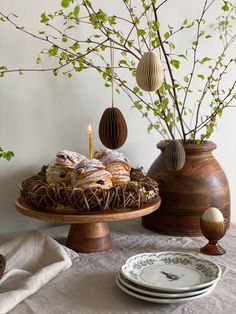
(187, 193)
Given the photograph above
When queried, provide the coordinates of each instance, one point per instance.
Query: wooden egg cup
(89, 231)
(213, 231)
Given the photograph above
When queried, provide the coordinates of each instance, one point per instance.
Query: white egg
(213, 214)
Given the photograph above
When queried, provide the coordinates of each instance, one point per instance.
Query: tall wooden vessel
(187, 193)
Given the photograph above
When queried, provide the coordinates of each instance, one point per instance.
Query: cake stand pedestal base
(89, 232)
(89, 237)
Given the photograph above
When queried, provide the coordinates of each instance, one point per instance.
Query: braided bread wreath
(141, 191)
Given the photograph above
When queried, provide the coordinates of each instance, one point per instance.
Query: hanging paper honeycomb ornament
(175, 156)
(112, 128)
(150, 75)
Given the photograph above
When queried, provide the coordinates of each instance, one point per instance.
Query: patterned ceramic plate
(171, 271)
(155, 293)
(157, 299)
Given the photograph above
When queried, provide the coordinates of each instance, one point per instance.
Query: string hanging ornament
(112, 127)
(150, 74)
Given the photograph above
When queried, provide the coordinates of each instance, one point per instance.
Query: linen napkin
(32, 260)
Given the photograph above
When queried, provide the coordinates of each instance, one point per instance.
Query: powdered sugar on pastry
(68, 158)
(60, 169)
(91, 173)
(117, 164)
(87, 165)
(108, 156)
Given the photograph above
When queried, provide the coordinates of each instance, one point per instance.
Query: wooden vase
(187, 193)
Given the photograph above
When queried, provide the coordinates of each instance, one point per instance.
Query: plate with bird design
(171, 271)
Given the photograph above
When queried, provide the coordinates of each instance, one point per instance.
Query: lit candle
(90, 142)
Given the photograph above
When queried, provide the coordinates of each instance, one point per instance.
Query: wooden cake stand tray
(89, 232)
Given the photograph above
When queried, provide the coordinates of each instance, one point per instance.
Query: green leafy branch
(166, 109)
(8, 155)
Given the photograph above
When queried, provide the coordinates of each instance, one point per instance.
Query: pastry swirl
(117, 164)
(60, 169)
(91, 174)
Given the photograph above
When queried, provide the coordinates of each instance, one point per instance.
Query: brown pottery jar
(187, 193)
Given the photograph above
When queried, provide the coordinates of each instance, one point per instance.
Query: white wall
(41, 114)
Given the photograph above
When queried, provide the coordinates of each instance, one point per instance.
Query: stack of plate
(168, 277)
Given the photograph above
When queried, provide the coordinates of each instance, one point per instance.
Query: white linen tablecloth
(89, 285)
(33, 259)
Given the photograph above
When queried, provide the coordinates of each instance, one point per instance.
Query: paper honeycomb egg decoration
(112, 128)
(174, 156)
(150, 75)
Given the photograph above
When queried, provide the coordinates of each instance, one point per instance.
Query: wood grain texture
(186, 194)
(213, 232)
(112, 128)
(89, 231)
(85, 216)
(89, 238)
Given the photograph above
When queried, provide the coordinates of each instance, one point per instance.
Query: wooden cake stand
(89, 231)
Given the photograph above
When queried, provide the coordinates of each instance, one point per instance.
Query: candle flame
(89, 130)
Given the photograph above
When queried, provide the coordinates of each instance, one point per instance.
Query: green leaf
(138, 105)
(155, 26)
(149, 128)
(175, 63)
(112, 20)
(44, 18)
(166, 35)
(38, 60)
(201, 76)
(185, 22)
(75, 46)
(123, 62)
(183, 56)
(7, 155)
(186, 79)
(141, 32)
(63, 55)
(165, 103)
(64, 39)
(205, 59)
(87, 2)
(53, 51)
(225, 7)
(76, 11)
(55, 72)
(65, 3)
(102, 16)
(171, 45)
(156, 42)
